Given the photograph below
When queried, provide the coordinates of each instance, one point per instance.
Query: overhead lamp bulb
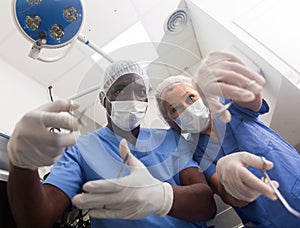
(33, 22)
(56, 31)
(70, 13)
(34, 2)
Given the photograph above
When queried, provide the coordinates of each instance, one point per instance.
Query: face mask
(194, 118)
(127, 115)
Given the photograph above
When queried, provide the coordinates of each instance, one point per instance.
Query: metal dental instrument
(223, 109)
(72, 113)
(79, 117)
(267, 180)
(79, 114)
(120, 172)
(123, 165)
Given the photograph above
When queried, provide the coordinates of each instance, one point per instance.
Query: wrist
(167, 200)
(22, 165)
(16, 160)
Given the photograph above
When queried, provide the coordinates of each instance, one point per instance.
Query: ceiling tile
(107, 19)
(142, 7)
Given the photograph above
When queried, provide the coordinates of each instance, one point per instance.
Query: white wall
(215, 30)
(19, 94)
(214, 35)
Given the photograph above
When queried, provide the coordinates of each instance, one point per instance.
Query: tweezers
(267, 180)
(81, 114)
(79, 117)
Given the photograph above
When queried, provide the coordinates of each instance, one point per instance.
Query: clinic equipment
(223, 109)
(78, 115)
(267, 180)
(52, 24)
(123, 165)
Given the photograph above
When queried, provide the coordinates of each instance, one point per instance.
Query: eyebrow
(135, 83)
(173, 104)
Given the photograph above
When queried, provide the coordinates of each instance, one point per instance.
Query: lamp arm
(93, 46)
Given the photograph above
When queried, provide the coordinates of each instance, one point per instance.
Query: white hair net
(170, 81)
(118, 69)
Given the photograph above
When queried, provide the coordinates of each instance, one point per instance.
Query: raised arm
(32, 145)
(223, 74)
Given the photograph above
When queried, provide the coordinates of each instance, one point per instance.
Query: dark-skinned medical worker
(161, 185)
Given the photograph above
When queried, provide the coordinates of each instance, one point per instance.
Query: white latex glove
(132, 197)
(239, 182)
(32, 145)
(222, 74)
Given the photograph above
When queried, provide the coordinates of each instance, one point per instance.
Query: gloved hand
(32, 145)
(132, 197)
(239, 182)
(223, 74)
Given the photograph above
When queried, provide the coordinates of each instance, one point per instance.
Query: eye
(191, 99)
(173, 110)
(141, 93)
(117, 92)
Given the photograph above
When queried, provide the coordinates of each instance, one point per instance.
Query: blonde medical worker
(230, 172)
(170, 192)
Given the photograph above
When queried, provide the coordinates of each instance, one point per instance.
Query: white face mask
(127, 115)
(194, 118)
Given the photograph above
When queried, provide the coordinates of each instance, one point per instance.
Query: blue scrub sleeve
(66, 174)
(236, 109)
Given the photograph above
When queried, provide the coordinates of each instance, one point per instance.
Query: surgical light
(52, 24)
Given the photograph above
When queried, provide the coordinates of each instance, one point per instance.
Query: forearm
(193, 203)
(219, 189)
(28, 199)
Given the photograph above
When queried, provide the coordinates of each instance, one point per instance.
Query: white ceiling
(106, 21)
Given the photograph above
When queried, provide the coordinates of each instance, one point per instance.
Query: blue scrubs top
(96, 156)
(245, 132)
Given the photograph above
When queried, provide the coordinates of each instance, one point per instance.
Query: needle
(123, 165)
(223, 109)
